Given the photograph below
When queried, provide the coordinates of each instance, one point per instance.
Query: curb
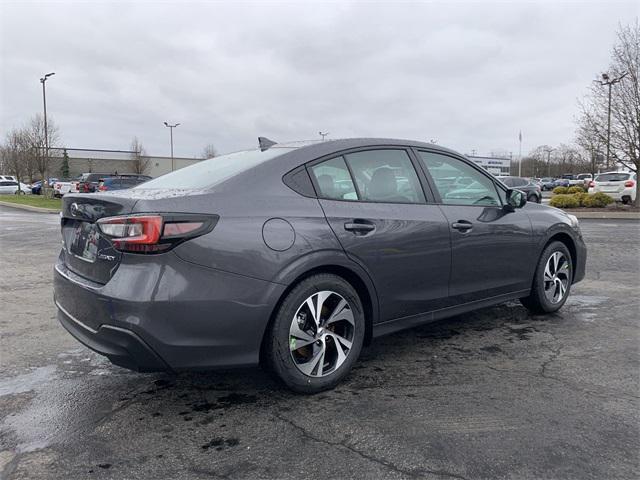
(29, 207)
(606, 215)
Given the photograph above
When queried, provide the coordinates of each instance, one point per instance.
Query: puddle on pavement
(586, 307)
(62, 400)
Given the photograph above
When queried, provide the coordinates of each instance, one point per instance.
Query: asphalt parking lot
(494, 394)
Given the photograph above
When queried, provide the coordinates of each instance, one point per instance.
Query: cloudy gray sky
(468, 74)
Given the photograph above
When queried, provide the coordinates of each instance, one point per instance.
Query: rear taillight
(629, 183)
(102, 188)
(154, 233)
(592, 184)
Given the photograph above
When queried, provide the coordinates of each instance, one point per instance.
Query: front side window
(459, 183)
(385, 176)
(334, 180)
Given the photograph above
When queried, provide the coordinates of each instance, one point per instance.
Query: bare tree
(37, 151)
(16, 153)
(624, 143)
(593, 148)
(209, 151)
(139, 157)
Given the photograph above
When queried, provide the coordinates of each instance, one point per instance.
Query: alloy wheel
(321, 334)
(556, 277)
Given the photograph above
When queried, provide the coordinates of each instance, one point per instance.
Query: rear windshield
(613, 177)
(208, 173)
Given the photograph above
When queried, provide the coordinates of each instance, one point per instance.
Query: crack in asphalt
(416, 473)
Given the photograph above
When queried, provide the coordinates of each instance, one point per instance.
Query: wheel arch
(568, 241)
(359, 280)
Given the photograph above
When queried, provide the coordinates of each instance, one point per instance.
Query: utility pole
(45, 180)
(610, 82)
(520, 155)
(323, 135)
(171, 127)
(549, 150)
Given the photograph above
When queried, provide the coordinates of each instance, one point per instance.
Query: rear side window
(214, 171)
(508, 181)
(129, 182)
(334, 180)
(385, 176)
(613, 177)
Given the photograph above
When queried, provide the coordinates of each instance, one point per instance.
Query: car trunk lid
(91, 254)
(87, 252)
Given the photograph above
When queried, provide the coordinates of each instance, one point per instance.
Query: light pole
(610, 82)
(171, 127)
(549, 150)
(520, 154)
(323, 135)
(45, 180)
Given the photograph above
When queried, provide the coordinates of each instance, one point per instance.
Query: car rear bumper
(121, 346)
(167, 314)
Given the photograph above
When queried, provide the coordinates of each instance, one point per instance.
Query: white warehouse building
(494, 165)
(87, 160)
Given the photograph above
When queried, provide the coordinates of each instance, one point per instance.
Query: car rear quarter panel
(237, 243)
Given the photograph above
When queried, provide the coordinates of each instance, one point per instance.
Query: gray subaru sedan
(296, 255)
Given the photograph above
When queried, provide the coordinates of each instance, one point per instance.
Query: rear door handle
(358, 227)
(462, 225)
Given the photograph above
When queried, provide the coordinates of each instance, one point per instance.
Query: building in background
(86, 160)
(494, 165)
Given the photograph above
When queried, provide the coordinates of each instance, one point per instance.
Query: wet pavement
(493, 394)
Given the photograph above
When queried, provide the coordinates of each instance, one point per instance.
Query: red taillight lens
(102, 188)
(154, 233)
(125, 231)
(629, 183)
(177, 229)
(592, 184)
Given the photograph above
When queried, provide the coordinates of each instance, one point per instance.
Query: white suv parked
(621, 186)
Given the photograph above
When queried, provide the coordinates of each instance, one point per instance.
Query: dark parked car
(297, 255)
(531, 189)
(36, 187)
(88, 182)
(121, 182)
(564, 181)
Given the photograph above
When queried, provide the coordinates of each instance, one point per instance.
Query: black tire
(538, 302)
(533, 198)
(278, 355)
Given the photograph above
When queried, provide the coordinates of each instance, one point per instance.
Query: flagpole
(520, 155)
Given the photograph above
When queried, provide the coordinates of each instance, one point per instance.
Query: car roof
(347, 143)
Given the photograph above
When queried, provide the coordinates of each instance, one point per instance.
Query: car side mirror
(515, 199)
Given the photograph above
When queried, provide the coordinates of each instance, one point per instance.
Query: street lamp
(610, 82)
(45, 180)
(549, 150)
(171, 127)
(323, 135)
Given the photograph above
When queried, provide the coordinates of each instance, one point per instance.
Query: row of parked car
(567, 180)
(621, 186)
(84, 183)
(92, 182)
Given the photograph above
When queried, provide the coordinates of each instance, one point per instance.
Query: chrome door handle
(359, 227)
(462, 225)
